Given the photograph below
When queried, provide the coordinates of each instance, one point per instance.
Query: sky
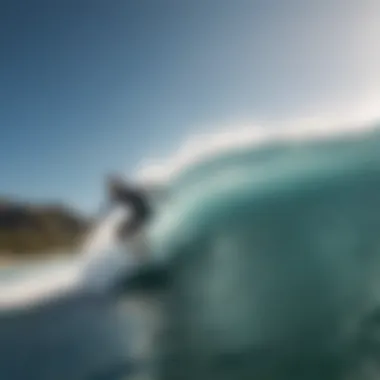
(89, 87)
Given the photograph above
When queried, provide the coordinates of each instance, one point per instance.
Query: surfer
(136, 201)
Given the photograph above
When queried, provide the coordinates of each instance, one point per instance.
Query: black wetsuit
(138, 203)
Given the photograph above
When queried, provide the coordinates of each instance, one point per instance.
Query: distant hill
(26, 228)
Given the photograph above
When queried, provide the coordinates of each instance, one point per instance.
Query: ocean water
(54, 325)
(58, 319)
(273, 259)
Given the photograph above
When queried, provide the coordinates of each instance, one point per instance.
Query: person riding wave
(137, 202)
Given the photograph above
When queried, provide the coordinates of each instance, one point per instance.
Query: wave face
(253, 173)
(274, 253)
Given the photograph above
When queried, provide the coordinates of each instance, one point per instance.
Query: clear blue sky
(92, 86)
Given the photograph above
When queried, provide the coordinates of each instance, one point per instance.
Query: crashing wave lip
(211, 146)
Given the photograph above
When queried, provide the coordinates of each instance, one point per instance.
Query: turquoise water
(247, 177)
(275, 262)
